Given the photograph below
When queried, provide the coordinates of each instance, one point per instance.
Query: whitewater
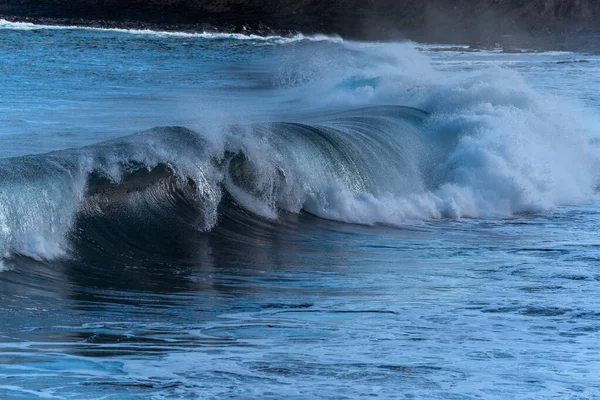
(209, 215)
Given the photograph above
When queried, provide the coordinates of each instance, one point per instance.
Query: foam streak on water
(27, 26)
(218, 215)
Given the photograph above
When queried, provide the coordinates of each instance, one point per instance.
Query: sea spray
(374, 135)
(503, 147)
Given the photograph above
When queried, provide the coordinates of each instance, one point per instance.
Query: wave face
(474, 144)
(177, 178)
(371, 165)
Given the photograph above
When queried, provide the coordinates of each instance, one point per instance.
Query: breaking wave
(474, 145)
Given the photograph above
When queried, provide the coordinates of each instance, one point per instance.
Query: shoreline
(191, 28)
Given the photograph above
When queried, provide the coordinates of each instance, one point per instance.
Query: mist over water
(212, 215)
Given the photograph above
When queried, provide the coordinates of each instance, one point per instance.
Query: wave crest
(487, 146)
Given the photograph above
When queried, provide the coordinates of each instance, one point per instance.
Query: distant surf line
(29, 26)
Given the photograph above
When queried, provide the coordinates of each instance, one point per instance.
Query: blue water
(220, 216)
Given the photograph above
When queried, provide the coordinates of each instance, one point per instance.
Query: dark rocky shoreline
(509, 24)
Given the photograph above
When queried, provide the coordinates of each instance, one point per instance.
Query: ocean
(209, 216)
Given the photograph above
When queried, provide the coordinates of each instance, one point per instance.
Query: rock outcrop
(434, 20)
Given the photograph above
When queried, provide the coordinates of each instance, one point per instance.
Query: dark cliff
(436, 20)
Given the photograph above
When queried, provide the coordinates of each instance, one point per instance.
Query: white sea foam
(507, 148)
(28, 26)
(37, 214)
(496, 147)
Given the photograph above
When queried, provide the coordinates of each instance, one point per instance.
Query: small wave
(28, 26)
(582, 61)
